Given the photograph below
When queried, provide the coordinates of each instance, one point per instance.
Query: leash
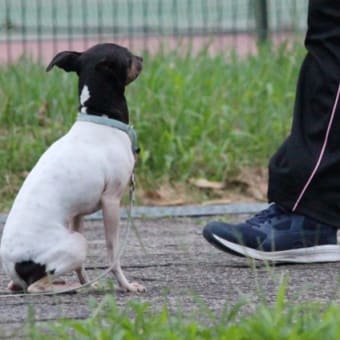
(108, 270)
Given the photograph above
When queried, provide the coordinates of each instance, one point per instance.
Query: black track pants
(304, 174)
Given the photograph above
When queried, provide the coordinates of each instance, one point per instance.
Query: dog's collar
(112, 123)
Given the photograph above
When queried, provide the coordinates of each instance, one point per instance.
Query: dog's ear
(67, 60)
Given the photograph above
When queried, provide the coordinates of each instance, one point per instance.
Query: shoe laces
(272, 211)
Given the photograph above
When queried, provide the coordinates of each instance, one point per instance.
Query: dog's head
(103, 70)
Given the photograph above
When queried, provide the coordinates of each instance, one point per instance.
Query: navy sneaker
(275, 234)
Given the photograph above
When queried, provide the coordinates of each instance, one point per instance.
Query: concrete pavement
(180, 270)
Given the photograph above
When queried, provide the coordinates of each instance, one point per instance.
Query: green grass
(196, 116)
(282, 320)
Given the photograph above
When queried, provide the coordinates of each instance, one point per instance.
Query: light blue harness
(112, 123)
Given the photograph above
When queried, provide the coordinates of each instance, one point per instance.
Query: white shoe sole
(325, 253)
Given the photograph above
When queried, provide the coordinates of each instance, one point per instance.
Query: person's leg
(304, 174)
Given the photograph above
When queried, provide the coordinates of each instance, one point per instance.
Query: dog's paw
(14, 288)
(53, 288)
(39, 288)
(59, 282)
(133, 287)
(137, 288)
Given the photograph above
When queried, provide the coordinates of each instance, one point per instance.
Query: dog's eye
(130, 62)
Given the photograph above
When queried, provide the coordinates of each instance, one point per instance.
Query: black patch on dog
(106, 69)
(30, 271)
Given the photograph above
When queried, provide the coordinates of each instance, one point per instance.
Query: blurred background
(218, 85)
(40, 28)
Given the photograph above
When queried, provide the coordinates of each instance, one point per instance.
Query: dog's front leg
(77, 224)
(82, 275)
(110, 208)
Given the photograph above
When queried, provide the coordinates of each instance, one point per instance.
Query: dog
(84, 171)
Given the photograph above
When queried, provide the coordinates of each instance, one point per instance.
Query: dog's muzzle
(135, 69)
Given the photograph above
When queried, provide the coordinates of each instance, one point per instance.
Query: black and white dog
(82, 172)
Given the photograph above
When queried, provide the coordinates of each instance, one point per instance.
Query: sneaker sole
(316, 254)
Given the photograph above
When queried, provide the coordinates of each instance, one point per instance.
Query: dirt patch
(249, 185)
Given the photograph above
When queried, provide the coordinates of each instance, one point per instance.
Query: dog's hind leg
(63, 258)
(13, 287)
(47, 285)
(110, 208)
(77, 223)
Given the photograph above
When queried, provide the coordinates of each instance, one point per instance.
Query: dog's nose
(139, 59)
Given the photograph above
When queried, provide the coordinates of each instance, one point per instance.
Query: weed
(137, 320)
